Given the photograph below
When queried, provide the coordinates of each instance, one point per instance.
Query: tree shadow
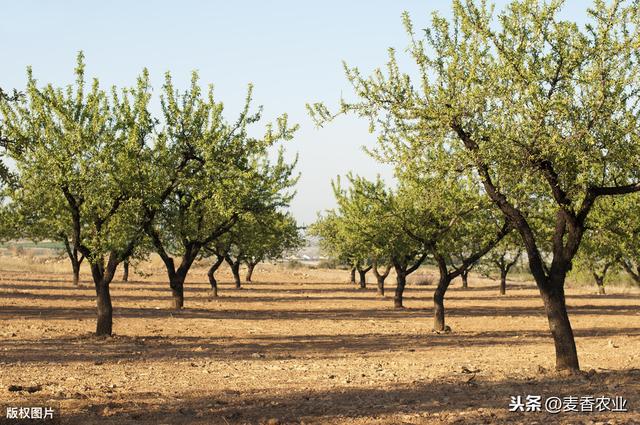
(455, 399)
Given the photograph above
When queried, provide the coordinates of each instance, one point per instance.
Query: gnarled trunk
(125, 270)
(250, 267)
(211, 275)
(438, 302)
(381, 279)
(235, 270)
(363, 279)
(465, 279)
(353, 275)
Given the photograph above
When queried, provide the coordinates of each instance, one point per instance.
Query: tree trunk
(176, 282)
(125, 271)
(503, 282)
(102, 278)
(363, 279)
(250, 267)
(600, 283)
(438, 303)
(235, 269)
(465, 279)
(212, 278)
(401, 279)
(381, 279)
(76, 273)
(554, 303)
(353, 275)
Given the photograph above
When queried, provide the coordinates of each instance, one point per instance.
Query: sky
(292, 51)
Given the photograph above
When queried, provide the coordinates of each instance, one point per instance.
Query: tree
(336, 242)
(545, 112)
(91, 150)
(503, 256)
(270, 236)
(371, 220)
(228, 175)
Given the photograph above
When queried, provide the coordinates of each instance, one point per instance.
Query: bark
(555, 307)
(363, 279)
(250, 267)
(353, 275)
(211, 274)
(102, 277)
(438, 302)
(503, 281)
(125, 274)
(401, 279)
(235, 270)
(75, 258)
(380, 277)
(76, 273)
(465, 279)
(176, 282)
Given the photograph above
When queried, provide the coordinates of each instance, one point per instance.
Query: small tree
(503, 257)
(228, 175)
(91, 150)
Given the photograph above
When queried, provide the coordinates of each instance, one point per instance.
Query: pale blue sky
(291, 50)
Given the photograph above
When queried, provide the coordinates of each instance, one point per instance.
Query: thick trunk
(401, 279)
(554, 303)
(363, 279)
(438, 303)
(125, 274)
(176, 282)
(465, 279)
(102, 278)
(503, 282)
(250, 267)
(353, 275)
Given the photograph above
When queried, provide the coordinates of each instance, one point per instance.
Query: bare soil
(303, 346)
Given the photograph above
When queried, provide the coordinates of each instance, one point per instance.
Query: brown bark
(438, 302)
(380, 277)
(250, 268)
(125, 270)
(401, 280)
(211, 275)
(503, 282)
(556, 310)
(102, 277)
(465, 279)
(235, 270)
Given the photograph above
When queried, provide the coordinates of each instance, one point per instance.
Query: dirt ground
(303, 346)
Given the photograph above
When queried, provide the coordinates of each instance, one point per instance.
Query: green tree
(91, 149)
(544, 110)
(503, 257)
(229, 175)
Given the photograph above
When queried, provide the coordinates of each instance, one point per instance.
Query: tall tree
(545, 111)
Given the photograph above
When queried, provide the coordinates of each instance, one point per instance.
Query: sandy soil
(303, 346)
